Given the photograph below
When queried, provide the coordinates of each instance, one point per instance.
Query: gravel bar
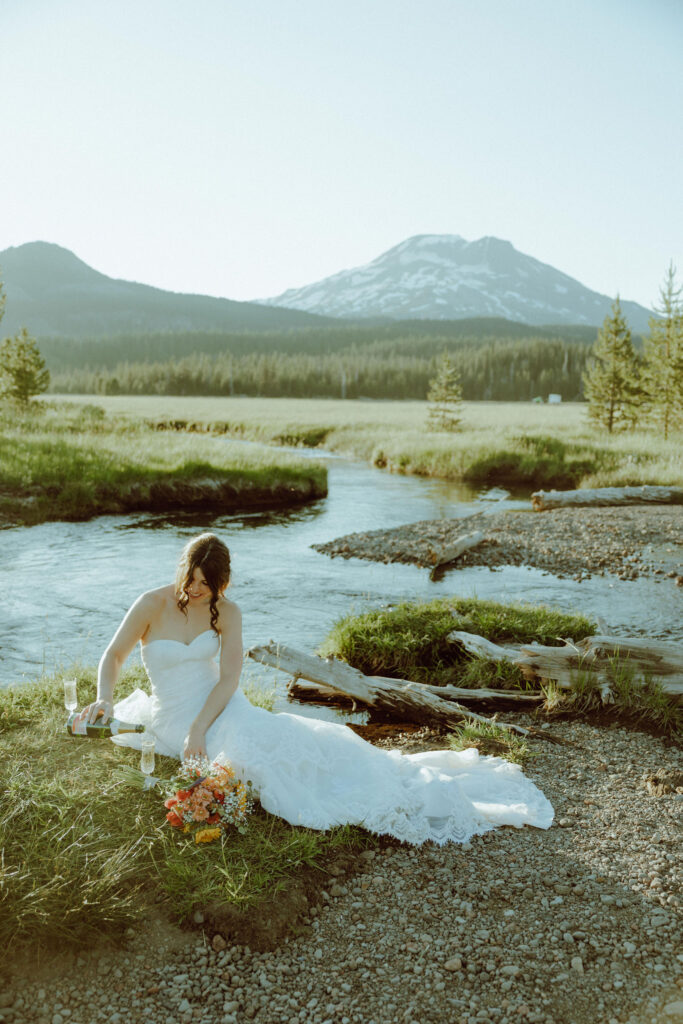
(572, 542)
(574, 925)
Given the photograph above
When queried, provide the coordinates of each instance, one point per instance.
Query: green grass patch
(514, 444)
(638, 700)
(538, 461)
(83, 854)
(490, 738)
(63, 461)
(410, 641)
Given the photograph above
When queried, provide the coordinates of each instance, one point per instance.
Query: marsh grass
(519, 444)
(410, 640)
(61, 460)
(631, 696)
(84, 854)
(490, 738)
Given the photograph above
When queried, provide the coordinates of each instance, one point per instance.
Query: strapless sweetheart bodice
(166, 655)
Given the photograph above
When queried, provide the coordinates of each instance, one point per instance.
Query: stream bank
(231, 495)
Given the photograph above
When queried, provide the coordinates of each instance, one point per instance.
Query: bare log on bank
(542, 501)
(449, 552)
(597, 655)
(402, 699)
(308, 691)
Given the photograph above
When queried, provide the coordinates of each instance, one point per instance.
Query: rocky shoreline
(640, 540)
(575, 924)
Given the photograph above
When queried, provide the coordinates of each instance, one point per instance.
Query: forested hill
(404, 337)
(496, 359)
(51, 292)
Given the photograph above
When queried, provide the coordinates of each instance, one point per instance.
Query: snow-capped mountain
(445, 277)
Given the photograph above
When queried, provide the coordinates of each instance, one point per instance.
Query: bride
(309, 772)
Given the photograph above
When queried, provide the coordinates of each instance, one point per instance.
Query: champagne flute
(147, 754)
(70, 694)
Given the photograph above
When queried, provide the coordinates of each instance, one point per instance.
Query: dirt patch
(408, 738)
(264, 925)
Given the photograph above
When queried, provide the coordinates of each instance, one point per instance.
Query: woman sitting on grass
(309, 772)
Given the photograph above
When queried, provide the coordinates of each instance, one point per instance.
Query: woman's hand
(96, 710)
(195, 744)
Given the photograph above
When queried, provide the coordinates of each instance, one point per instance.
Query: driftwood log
(402, 699)
(544, 500)
(658, 659)
(449, 552)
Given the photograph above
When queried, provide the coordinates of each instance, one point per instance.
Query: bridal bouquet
(205, 799)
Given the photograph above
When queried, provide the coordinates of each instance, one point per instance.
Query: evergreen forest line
(380, 363)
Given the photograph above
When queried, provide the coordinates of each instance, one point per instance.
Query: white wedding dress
(321, 774)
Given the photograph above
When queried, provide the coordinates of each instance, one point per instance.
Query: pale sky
(242, 148)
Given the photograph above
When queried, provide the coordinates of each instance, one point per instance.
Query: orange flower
(173, 819)
(171, 802)
(206, 835)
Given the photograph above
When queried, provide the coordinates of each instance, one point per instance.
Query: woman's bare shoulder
(229, 614)
(156, 600)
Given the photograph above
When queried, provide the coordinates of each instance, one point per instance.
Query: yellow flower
(206, 835)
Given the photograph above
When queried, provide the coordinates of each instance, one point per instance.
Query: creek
(67, 585)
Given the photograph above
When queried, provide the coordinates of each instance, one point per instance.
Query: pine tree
(610, 381)
(664, 357)
(22, 369)
(444, 397)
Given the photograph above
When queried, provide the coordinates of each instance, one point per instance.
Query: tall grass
(490, 738)
(410, 641)
(511, 443)
(61, 460)
(82, 853)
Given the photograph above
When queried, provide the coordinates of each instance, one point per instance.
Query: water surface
(67, 585)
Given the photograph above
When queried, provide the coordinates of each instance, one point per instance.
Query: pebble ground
(579, 924)
(639, 540)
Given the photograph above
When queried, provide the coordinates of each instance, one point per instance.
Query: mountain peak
(47, 259)
(446, 277)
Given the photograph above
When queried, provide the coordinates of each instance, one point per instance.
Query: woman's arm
(132, 629)
(230, 625)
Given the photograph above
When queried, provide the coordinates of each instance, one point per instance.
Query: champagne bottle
(99, 730)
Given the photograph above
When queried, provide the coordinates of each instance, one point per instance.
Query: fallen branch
(401, 699)
(309, 690)
(597, 655)
(448, 553)
(544, 500)
(479, 645)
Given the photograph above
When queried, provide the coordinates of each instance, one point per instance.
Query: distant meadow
(518, 444)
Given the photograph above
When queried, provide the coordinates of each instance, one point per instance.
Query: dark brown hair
(211, 556)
